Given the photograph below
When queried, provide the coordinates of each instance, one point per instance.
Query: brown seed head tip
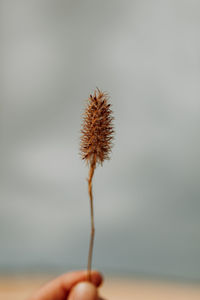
(97, 129)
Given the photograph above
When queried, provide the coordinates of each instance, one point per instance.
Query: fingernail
(83, 291)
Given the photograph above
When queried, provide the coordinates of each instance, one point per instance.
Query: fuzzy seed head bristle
(97, 129)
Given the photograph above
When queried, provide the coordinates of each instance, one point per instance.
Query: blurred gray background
(146, 54)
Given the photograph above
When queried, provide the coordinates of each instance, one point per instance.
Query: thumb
(83, 291)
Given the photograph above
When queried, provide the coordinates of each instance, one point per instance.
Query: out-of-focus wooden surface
(20, 288)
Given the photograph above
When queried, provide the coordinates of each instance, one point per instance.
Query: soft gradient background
(146, 54)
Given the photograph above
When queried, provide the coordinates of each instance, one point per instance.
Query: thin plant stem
(91, 246)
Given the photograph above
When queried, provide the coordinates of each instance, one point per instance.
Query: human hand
(71, 286)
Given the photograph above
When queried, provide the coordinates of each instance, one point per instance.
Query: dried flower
(96, 142)
(97, 129)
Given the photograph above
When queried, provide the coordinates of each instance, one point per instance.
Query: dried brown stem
(91, 173)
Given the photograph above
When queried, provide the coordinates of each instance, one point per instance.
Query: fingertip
(96, 278)
(83, 291)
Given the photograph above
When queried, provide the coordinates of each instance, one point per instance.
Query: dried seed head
(97, 129)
